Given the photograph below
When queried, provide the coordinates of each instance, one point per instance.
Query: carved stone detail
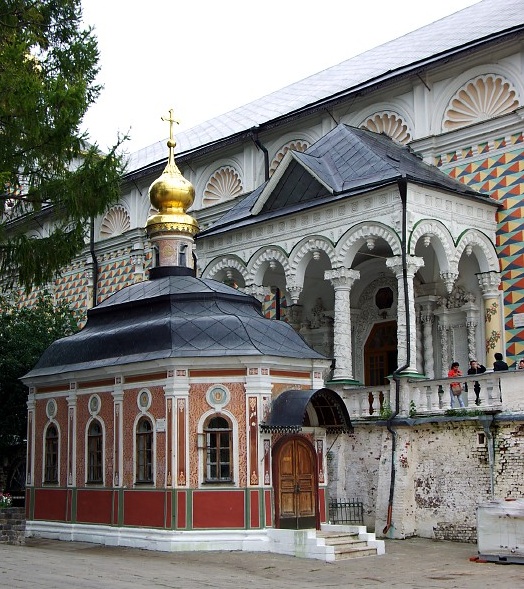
(389, 123)
(479, 99)
(296, 145)
(223, 185)
(115, 222)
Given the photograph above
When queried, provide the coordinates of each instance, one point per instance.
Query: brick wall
(12, 525)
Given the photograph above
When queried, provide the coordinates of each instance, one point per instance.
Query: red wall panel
(94, 506)
(144, 508)
(269, 510)
(218, 509)
(322, 504)
(50, 504)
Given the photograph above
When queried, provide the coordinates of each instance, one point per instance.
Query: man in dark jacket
(499, 363)
(476, 368)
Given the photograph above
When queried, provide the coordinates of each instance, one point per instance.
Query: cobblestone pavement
(407, 564)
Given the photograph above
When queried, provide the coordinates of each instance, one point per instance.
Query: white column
(413, 263)
(118, 432)
(427, 319)
(30, 456)
(493, 315)
(71, 435)
(342, 280)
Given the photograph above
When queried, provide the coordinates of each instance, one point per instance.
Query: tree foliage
(25, 332)
(52, 182)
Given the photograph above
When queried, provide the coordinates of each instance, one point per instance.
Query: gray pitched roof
(173, 316)
(481, 21)
(345, 162)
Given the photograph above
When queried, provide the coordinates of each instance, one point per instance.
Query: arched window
(51, 455)
(94, 453)
(218, 467)
(144, 451)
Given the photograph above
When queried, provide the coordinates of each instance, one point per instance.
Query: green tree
(25, 332)
(52, 181)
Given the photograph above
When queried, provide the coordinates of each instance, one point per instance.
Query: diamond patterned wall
(501, 174)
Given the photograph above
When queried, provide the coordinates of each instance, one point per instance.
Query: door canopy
(294, 409)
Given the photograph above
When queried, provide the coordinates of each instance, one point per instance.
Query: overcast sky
(205, 57)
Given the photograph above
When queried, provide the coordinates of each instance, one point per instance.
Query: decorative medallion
(51, 408)
(94, 404)
(218, 397)
(144, 400)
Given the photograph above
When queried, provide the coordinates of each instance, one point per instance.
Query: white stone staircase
(330, 543)
(350, 541)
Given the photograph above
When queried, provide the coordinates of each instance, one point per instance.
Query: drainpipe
(402, 188)
(95, 260)
(490, 443)
(256, 141)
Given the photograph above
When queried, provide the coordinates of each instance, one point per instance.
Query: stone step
(347, 545)
(354, 553)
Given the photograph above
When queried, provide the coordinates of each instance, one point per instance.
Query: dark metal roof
(347, 161)
(289, 411)
(172, 317)
(478, 24)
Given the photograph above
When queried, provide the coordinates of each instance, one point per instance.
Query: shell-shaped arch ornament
(389, 123)
(297, 145)
(224, 184)
(115, 222)
(482, 98)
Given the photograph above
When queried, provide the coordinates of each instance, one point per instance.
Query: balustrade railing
(488, 392)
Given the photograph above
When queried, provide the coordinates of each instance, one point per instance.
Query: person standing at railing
(476, 368)
(499, 365)
(455, 388)
(520, 365)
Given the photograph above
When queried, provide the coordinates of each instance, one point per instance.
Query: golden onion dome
(171, 194)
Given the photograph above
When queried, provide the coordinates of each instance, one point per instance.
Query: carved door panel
(296, 492)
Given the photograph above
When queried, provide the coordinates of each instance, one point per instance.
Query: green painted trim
(345, 382)
(414, 375)
(189, 508)
(120, 506)
(173, 509)
(74, 501)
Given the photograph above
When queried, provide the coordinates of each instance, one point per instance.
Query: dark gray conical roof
(172, 316)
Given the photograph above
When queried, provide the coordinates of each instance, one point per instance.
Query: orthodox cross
(170, 119)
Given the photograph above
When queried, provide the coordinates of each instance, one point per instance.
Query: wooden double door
(296, 484)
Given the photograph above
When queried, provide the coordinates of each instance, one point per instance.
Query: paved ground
(407, 564)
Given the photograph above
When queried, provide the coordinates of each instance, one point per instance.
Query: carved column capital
(489, 283)
(413, 263)
(342, 278)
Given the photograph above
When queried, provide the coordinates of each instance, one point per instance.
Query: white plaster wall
(442, 474)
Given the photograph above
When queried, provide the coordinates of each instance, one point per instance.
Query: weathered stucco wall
(443, 472)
